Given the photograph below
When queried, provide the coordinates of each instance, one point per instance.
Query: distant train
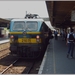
(1, 32)
(28, 37)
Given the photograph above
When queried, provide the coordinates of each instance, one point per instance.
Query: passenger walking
(63, 35)
(70, 42)
(56, 33)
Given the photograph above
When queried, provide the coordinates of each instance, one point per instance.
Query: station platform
(4, 40)
(55, 60)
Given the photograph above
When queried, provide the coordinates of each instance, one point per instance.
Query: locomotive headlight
(38, 38)
(12, 38)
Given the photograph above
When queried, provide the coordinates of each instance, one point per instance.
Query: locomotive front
(26, 38)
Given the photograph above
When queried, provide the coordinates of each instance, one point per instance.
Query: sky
(17, 9)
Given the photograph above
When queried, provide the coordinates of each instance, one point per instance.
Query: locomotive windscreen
(22, 26)
(31, 26)
(18, 26)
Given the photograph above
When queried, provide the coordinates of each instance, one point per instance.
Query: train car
(28, 37)
(2, 32)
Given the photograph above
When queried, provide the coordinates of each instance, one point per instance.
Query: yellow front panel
(27, 40)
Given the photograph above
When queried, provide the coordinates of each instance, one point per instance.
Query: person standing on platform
(56, 33)
(70, 42)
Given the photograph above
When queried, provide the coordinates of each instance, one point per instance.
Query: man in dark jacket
(70, 43)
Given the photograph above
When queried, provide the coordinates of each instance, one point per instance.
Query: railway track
(4, 52)
(4, 45)
(17, 67)
(4, 49)
(8, 67)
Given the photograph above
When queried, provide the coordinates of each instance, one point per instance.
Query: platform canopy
(61, 13)
(4, 22)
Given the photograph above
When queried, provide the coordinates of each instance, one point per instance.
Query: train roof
(27, 20)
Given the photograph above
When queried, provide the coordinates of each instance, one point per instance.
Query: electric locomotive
(28, 37)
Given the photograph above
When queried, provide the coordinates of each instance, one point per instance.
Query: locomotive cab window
(19, 26)
(31, 26)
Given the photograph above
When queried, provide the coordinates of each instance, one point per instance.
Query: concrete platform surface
(55, 60)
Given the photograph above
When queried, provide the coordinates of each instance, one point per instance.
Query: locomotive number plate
(25, 40)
